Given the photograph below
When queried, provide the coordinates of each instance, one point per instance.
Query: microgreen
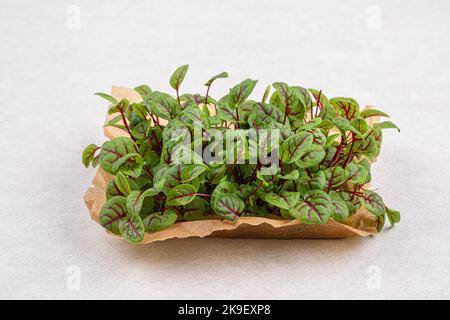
(316, 169)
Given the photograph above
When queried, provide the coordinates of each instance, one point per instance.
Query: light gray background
(392, 54)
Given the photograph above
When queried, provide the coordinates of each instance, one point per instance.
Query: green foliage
(178, 76)
(325, 151)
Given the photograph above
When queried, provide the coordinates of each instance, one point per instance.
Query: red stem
(178, 98)
(319, 104)
(350, 151)
(253, 192)
(124, 120)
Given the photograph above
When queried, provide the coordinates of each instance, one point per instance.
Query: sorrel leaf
(178, 76)
(373, 113)
(159, 221)
(355, 173)
(218, 76)
(393, 216)
(334, 177)
(120, 181)
(373, 202)
(294, 147)
(181, 195)
(386, 125)
(132, 228)
(89, 154)
(312, 157)
(113, 151)
(227, 206)
(107, 97)
(316, 208)
(239, 93)
(136, 199)
(345, 107)
(284, 200)
(143, 90)
(195, 209)
(114, 210)
(339, 207)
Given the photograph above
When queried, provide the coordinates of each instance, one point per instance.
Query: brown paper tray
(360, 224)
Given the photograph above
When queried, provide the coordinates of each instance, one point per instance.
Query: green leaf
(136, 199)
(292, 102)
(312, 157)
(221, 75)
(284, 200)
(352, 202)
(139, 110)
(164, 106)
(386, 125)
(191, 171)
(178, 76)
(112, 190)
(181, 195)
(130, 164)
(266, 94)
(360, 125)
(293, 175)
(285, 95)
(294, 147)
(195, 209)
(107, 97)
(345, 107)
(119, 154)
(344, 124)
(121, 106)
(330, 139)
(114, 122)
(365, 163)
(373, 113)
(379, 222)
(132, 228)
(224, 187)
(89, 154)
(239, 93)
(121, 183)
(340, 209)
(113, 151)
(95, 161)
(303, 95)
(156, 188)
(159, 221)
(143, 90)
(334, 177)
(227, 206)
(113, 210)
(373, 202)
(393, 216)
(318, 137)
(306, 183)
(356, 173)
(316, 208)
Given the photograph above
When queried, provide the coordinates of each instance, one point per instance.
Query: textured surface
(392, 54)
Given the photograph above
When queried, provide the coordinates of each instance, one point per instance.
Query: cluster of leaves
(324, 159)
